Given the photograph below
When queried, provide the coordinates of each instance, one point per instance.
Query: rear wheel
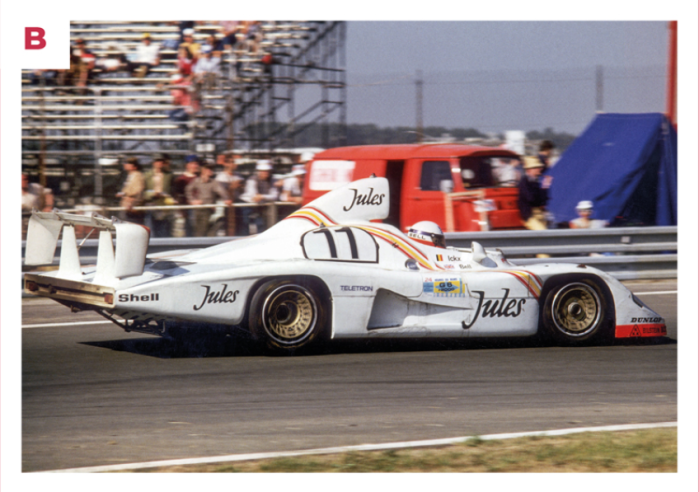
(575, 312)
(286, 315)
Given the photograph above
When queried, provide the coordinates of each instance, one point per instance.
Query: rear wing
(128, 260)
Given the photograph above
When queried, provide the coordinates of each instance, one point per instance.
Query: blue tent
(626, 164)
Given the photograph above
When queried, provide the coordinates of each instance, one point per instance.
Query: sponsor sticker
(355, 288)
(139, 297)
(641, 330)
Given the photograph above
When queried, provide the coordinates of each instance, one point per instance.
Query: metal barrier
(625, 253)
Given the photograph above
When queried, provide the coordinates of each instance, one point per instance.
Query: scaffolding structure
(294, 80)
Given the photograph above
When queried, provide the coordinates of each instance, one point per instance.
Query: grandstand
(279, 78)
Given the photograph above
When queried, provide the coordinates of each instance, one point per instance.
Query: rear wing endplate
(128, 260)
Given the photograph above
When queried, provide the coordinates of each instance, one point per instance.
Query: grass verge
(653, 450)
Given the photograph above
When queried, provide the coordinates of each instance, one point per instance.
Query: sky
(497, 76)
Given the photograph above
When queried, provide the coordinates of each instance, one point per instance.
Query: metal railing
(625, 253)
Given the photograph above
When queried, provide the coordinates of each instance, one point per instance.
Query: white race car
(328, 272)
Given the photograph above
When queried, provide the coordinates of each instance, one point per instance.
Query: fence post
(230, 220)
(271, 215)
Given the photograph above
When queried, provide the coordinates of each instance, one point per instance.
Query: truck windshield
(490, 172)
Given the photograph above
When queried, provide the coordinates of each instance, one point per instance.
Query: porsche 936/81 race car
(330, 271)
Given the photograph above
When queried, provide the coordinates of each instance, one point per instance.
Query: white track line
(660, 292)
(360, 447)
(75, 323)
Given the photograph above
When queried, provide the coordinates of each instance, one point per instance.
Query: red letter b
(34, 38)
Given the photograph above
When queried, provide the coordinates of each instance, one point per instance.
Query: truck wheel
(575, 313)
(286, 316)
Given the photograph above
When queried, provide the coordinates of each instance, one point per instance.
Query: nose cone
(643, 322)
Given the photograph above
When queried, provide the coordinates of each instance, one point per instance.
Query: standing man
(233, 182)
(533, 194)
(258, 189)
(158, 183)
(204, 190)
(179, 187)
(131, 193)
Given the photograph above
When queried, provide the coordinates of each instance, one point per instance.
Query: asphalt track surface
(95, 395)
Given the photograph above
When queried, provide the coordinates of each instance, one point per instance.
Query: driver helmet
(428, 233)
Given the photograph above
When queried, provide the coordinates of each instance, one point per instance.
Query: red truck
(460, 187)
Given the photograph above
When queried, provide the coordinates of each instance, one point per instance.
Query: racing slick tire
(576, 312)
(286, 315)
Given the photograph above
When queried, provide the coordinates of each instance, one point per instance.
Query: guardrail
(625, 253)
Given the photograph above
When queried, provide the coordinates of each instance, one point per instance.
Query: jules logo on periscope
(34, 38)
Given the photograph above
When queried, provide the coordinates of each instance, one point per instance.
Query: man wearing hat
(258, 189)
(584, 220)
(292, 186)
(208, 68)
(533, 194)
(147, 57)
(189, 43)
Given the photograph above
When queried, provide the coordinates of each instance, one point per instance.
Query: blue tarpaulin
(626, 164)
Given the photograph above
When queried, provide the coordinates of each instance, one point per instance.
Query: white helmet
(428, 233)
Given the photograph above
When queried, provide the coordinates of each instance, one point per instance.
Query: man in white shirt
(147, 57)
(208, 67)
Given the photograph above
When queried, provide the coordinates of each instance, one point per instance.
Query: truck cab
(460, 187)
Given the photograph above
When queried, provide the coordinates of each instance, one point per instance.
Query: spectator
(131, 193)
(114, 61)
(32, 195)
(31, 200)
(533, 195)
(185, 27)
(208, 68)
(507, 171)
(203, 190)
(229, 29)
(44, 78)
(229, 178)
(179, 187)
(157, 194)
(258, 189)
(545, 153)
(584, 221)
(185, 61)
(292, 187)
(233, 182)
(215, 45)
(85, 64)
(189, 43)
(49, 200)
(147, 57)
(182, 97)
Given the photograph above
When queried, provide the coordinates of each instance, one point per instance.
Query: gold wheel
(289, 314)
(576, 310)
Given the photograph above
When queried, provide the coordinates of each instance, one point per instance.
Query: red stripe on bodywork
(641, 330)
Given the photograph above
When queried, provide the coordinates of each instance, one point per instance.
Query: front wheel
(575, 312)
(286, 315)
